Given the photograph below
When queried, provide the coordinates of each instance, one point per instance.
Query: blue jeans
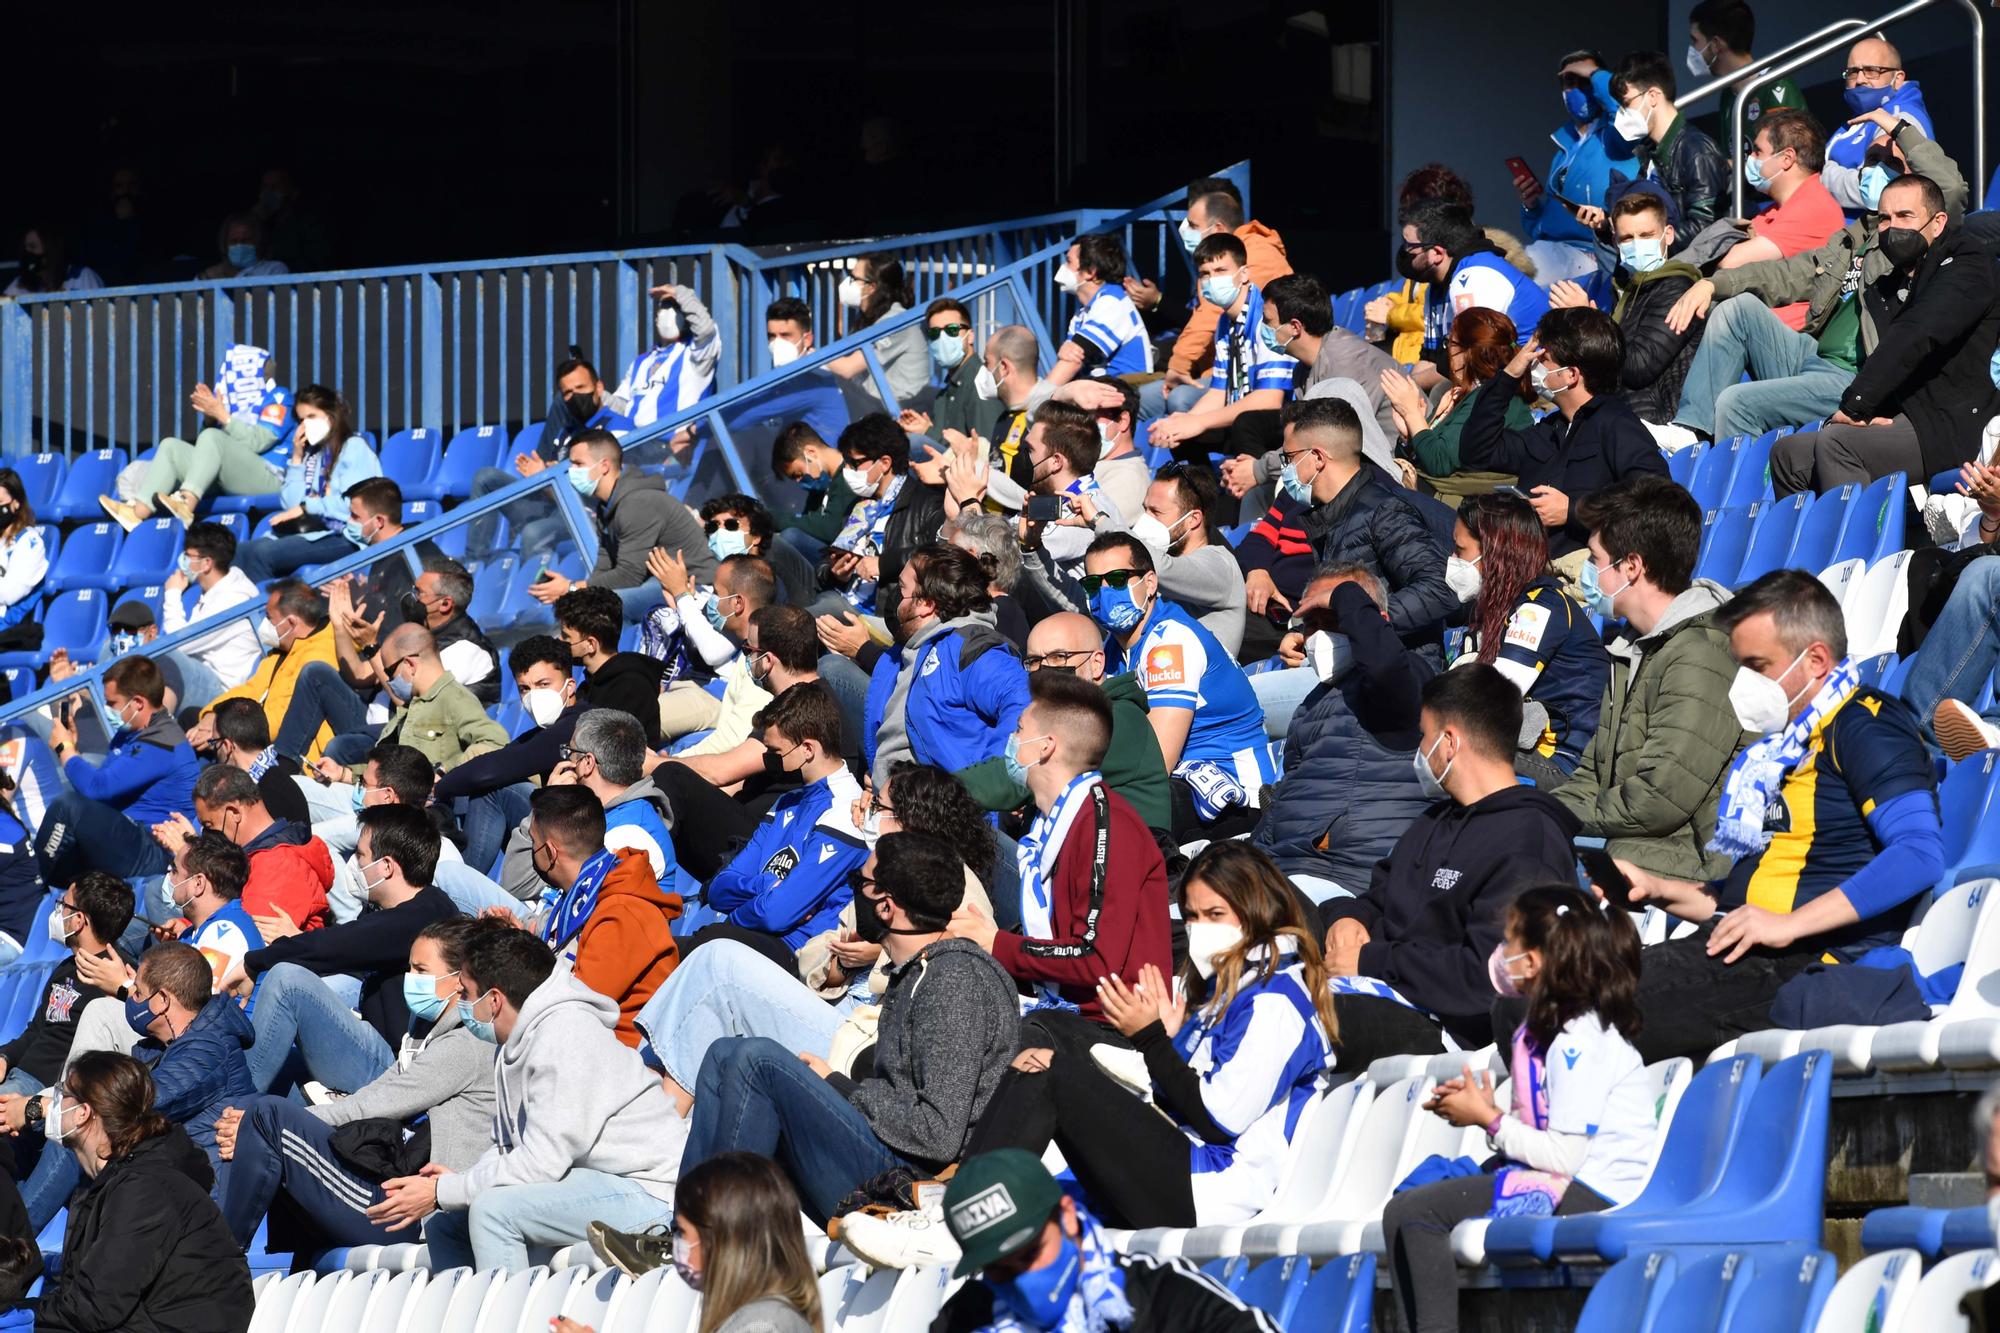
(849, 684)
(807, 545)
(755, 1096)
(1155, 401)
(489, 818)
(1963, 646)
(727, 989)
(338, 1049)
(49, 1185)
(322, 697)
(197, 685)
(79, 834)
(1791, 382)
(470, 891)
(640, 599)
(1283, 690)
(282, 1146)
(274, 557)
(1005, 893)
(505, 1219)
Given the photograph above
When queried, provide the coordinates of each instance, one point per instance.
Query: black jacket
(1931, 364)
(1437, 904)
(533, 754)
(1373, 522)
(1167, 1296)
(914, 522)
(44, 1046)
(1692, 170)
(1656, 358)
(146, 1250)
(374, 946)
(1605, 444)
(630, 683)
(1349, 791)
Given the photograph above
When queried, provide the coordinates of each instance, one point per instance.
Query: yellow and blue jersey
(1553, 655)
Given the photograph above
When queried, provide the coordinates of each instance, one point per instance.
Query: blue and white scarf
(1035, 860)
(262, 763)
(1758, 773)
(567, 915)
(1099, 1304)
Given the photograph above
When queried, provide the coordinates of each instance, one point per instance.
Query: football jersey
(1242, 362)
(667, 379)
(224, 938)
(1597, 1085)
(1111, 326)
(1180, 664)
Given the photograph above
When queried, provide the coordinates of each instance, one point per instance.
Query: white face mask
(58, 930)
(316, 429)
(1697, 63)
(857, 481)
(369, 887)
(1761, 703)
(267, 635)
(667, 323)
(783, 352)
(1152, 532)
(1631, 123)
(985, 385)
(850, 292)
(1207, 941)
(545, 706)
(1320, 655)
(1462, 577)
(53, 1112)
(1067, 278)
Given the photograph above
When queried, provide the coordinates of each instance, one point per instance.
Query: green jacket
(445, 723)
(826, 513)
(1816, 276)
(1666, 734)
(1133, 766)
(959, 407)
(1436, 447)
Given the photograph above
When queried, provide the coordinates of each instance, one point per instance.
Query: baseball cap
(996, 1204)
(132, 614)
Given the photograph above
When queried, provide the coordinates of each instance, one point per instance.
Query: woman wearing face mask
(328, 457)
(145, 1246)
(1233, 1051)
(330, 1159)
(736, 1239)
(876, 289)
(24, 563)
(1521, 621)
(45, 266)
(240, 242)
(1480, 343)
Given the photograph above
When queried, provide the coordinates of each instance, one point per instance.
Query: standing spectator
(634, 514)
(250, 412)
(1721, 34)
(329, 457)
(228, 657)
(679, 370)
(1591, 157)
(1445, 248)
(877, 289)
(240, 243)
(1481, 342)
(1106, 335)
(1685, 160)
(24, 563)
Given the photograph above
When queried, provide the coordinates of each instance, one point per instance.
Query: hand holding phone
(1043, 508)
(1609, 879)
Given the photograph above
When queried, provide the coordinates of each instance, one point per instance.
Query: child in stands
(1578, 1134)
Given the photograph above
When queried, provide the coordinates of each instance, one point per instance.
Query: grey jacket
(449, 1077)
(769, 1315)
(637, 516)
(947, 1032)
(1377, 446)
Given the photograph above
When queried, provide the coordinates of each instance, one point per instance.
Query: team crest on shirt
(274, 413)
(1165, 665)
(782, 863)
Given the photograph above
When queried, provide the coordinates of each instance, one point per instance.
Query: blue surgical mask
(1577, 103)
(1219, 290)
(1190, 235)
(723, 543)
(711, 611)
(360, 796)
(182, 564)
(1300, 492)
(1041, 1296)
(1595, 596)
(579, 477)
(1011, 757)
(420, 994)
(949, 352)
(1874, 179)
(478, 1027)
(352, 531)
(401, 688)
(1993, 369)
(1269, 337)
(1643, 255)
(1116, 609)
(1860, 101)
(1753, 171)
(1431, 782)
(815, 484)
(243, 256)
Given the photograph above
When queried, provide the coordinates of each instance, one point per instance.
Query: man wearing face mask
(959, 405)
(1199, 575)
(434, 714)
(710, 625)
(89, 917)
(1800, 376)
(1590, 158)
(1656, 357)
(206, 890)
(894, 514)
(579, 406)
(437, 601)
(739, 524)
(679, 371)
(399, 775)
(1721, 35)
(1106, 335)
(634, 514)
(1832, 818)
(1443, 247)
(296, 632)
(1251, 376)
(1409, 955)
(800, 455)
(1682, 158)
(290, 869)
(607, 754)
(207, 560)
(788, 326)
(1008, 382)
(1874, 80)
(147, 776)
(493, 790)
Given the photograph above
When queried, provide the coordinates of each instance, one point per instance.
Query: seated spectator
(193, 1038)
(738, 524)
(1789, 149)
(45, 265)
(243, 740)
(595, 1147)
(800, 455)
(148, 775)
(1482, 341)
(952, 692)
(634, 514)
(290, 869)
(145, 1246)
(607, 917)
(398, 852)
(579, 405)
(876, 465)
(399, 775)
(1657, 356)
(382, 590)
(1520, 620)
(1446, 249)
(296, 633)
(24, 563)
(1105, 336)
(438, 601)
(329, 457)
(1232, 1064)
(1952, 594)
(1804, 374)
(1072, 645)
(590, 624)
(704, 627)
(1591, 157)
(876, 289)
(1299, 316)
(1011, 356)
(240, 243)
(1276, 558)
(1683, 159)
(1832, 816)
(1402, 314)
(228, 657)
(678, 371)
(1250, 379)
(946, 1030)
(206, 890)
(250, 412)
(276, 1146)
(1650, 777)
(22, 893)
(89, 917)
(1122, 471)
(1093, 883)
(791, 877)
(948, 331)
(1023, 1236)
(1875, 82)
(1410, 962)
(606, 754)
(993, 540)
(1579, 1135)
(1064, 445)
(1592, 440)
(1347, 790)
(432, 712)
(363, 677)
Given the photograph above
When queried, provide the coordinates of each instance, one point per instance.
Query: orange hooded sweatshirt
(626, 947)
(1194, 350)
(290, 871)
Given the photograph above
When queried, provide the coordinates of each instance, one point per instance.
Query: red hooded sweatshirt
(290, 872)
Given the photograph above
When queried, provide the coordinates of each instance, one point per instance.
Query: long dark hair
(24, 513)
(1590, 961)
(55, 259)
(1269, 912)
(892, 287)
(119, 1092)
(340, 417)
(1513, 552)
(752, 1247)
(927, 799)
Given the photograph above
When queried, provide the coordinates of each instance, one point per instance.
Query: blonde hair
(1268, 911)
(752, 1245)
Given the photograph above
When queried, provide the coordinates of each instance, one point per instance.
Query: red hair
(1433, 180)
(1488, 339)
(1513, 552)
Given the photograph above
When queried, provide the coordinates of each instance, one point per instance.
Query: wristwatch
(34, 1110)
(368, 654)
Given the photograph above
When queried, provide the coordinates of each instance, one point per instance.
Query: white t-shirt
(1598, 1086)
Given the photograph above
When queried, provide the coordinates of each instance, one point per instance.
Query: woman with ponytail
(1577, 1136)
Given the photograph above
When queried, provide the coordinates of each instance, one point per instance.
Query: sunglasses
(1116, 579)
(567, 754)
(726, 524)
(948, 330)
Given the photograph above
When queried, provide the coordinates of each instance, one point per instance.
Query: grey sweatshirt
(769, 1315)
(449, 1076)
(595, 1106)
(947, 1032)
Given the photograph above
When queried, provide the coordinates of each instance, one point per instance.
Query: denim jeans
(849, 684)
(282, 1146)
(489, 818)
(1963, 646)
(195, 684)
(79, 834)
(1005, 893)
(727, 989)
(274, 557)
(337, 1048)
(1283, 690)
(640, 599)
(1791, 382)
(505, 1220)
(470, 890)
(755, 1096)
(1156, 401)
(321, 697)
(807, 545)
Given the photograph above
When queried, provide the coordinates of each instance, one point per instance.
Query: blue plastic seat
(1711, 476)
(238, 525)
(41, 477)
(89, 476)
(152, 596)
(51, 540)
(1681, 462)
(1872, 669)
(1972, 850)
(1724, 539)
(149, 553)
(1630, 1295)
(87, 558)
(1750, 478)
(1709, 1291)
(490, 589)
(74, 620)
(470, 450)
(1963, 798)
(517, 609)
(1905, 1228)
(215, 504)
(1774, 526)
(1275, 1286)
(1819, 529)
(1874, 525)
(1968, 1229)
(1785, 1295)
(1893, 678)
(1700, 1140)
(409, 458)
(1339, 1298)
(526, 441)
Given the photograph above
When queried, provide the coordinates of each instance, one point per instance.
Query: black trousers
(1417, 1226)
(1372, 1027)
(1689, 1003)
(709, 826)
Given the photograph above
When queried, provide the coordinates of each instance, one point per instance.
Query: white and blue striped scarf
(1099, 1304)
(1761, 769)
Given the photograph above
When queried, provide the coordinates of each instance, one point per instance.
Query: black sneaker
(634, 1254)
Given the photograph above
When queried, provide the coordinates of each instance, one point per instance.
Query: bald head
(410, 639)
(1067, 641)
(1875, 51)
(1014, 344)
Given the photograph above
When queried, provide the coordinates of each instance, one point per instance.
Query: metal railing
(1758, 71)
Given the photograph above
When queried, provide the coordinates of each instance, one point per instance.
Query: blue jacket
(790, 879)
(202, 1071)
(1848, 147)
(967, 688)
(1582, 170)
(147, 774)
(643, 816)
(328, 502)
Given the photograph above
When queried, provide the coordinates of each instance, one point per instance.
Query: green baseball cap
(996, 1204)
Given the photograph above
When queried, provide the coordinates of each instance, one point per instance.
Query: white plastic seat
(1878, 608)
(1328, 1126)
(1395, 1068)
(1843, 579)
(1874, 1296)
(387, 1301)
(424, 1312)
(1398, 1135)
(1772, 1044)
(676, 1304)
(1325, 1169)
(350, 1300)
(547, 1298)
(631, 1302)
(468, 1298)
(590, 1297)
(918, 1296)
(275, 1302)
(861, 1301)
(1935, 1309)
(507, 1300)
(1965, 1033)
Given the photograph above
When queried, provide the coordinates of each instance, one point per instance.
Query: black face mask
(868, 920)
(31, 265)
(412, 607)
(1902, 246)
(1069, 670)
(1406, 266)
(582, 406)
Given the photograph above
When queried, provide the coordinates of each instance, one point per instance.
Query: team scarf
(1035, 859)
(1523, 1191)
(1758, 773)
(569, 913)
(1099, 1304)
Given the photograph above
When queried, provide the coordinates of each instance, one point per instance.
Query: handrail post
(732, 458)
(17, 360)
(888, 396)
(721, 300)
(625, 300)
(430, 348)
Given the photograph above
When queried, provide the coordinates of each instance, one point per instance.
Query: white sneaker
(1961, 731)
(914, 1238)
(1945, 517)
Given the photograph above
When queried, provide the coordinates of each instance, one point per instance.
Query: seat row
(1785, 1288)
(1743, 542)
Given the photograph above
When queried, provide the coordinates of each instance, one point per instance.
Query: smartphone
(1606, 875)
(1044, 508)
(1512, 490)
(1519, 169)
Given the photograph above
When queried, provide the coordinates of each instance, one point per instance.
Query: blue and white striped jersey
(668, 378)
(1111, 325)
(1181, 664)
(1242, 362)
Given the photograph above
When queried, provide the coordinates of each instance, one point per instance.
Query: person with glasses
(738, 524)
(877, 289)
(1443, 247)
(1682, 158)
(1874, 80)
(606, 754)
